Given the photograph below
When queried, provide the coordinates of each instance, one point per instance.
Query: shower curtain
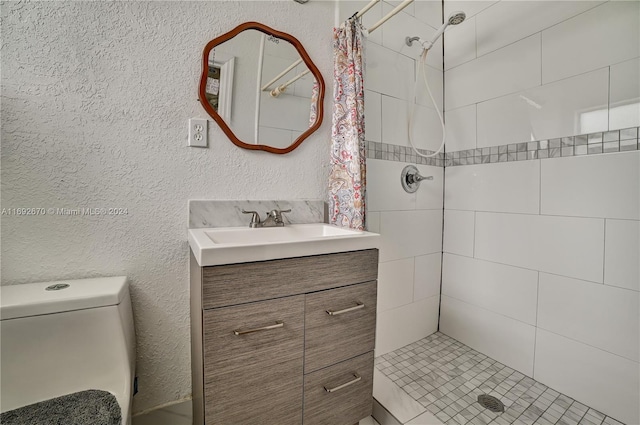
(348, 160)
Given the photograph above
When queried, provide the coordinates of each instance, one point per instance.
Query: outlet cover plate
(197, 132)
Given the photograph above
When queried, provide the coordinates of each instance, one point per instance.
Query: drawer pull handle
(355, 379)
(278, 324)
(358, 306)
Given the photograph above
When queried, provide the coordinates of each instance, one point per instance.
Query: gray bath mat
(91, 407)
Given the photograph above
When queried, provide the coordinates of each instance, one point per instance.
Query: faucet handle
(277, 215)
(255, 218)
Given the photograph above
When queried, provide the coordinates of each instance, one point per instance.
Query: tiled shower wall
(410, 224)
(541, 256)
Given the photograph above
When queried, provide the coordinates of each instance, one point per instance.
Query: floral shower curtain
(348, 160)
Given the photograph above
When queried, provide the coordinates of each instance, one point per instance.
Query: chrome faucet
(274, 218)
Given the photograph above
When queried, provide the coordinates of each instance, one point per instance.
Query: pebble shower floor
(446, 377)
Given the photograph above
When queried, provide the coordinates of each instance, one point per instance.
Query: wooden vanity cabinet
(285, 341)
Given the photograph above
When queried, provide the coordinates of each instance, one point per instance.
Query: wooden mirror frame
(306, 59)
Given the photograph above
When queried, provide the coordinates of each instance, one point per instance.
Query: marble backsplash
(204, 213)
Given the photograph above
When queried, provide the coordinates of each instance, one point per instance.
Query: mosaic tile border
(446, 377)
(387, 152)
(585, 144)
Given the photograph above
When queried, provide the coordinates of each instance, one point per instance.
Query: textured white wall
(95, 102)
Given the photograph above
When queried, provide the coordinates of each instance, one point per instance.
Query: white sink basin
(227, 245)
(292, 233)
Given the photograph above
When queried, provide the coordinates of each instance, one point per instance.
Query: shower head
(454, 19)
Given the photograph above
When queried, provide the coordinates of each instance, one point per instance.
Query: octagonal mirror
(262, 88)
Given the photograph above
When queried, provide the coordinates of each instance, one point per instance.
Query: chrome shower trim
(409, 40)
(411, 178)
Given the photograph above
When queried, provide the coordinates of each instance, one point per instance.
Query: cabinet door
(253, 370)
(341, 394)
(340, 324)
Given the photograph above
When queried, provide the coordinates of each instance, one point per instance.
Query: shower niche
(262, 88)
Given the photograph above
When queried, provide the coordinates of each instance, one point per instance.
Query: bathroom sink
(292, 233)
(227, 245)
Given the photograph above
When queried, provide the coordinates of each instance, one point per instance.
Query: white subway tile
(429, 11)
(511, 69)
(384, 191)
(461, 128)
(426, 128)
(624, 107)
(395, 284)
(410, 233)
(469, 7)
(506, 120)
(554, 110)
(567, 246)
(506, 290)
(435, 79)
(604, 35)
(396, 29)
(604, 381)
(395, 121)
(461, 44)
(592, 186)
(403, 325)
(373, 221)
(510, 21)
(410, 9)
(389, 72)
(501, 187)
(426, 281)
(598, 315)
(425, 125)
(509, 341)
(459, 232)
(372, 116)
(429, 196)
(622, 254)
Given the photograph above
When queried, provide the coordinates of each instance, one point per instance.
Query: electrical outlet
(197, 132)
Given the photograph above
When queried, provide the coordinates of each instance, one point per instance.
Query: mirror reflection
(261, 87)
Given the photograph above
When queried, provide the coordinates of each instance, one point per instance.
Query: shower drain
(491, 403)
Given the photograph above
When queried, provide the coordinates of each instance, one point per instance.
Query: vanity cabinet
(286, 341)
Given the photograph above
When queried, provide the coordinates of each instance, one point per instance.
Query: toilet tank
(76, 335)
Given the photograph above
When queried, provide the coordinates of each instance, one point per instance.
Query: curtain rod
(366, 8)
(388, 16)
(277, 77)
(281, 89)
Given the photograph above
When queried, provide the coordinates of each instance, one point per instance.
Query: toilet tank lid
(33, 299)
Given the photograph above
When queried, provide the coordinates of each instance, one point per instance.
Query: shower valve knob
(411, 178)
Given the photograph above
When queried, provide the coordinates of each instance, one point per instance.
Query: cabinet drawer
(254, 377)
(347, 332)
(350, 399)
(241, 283)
